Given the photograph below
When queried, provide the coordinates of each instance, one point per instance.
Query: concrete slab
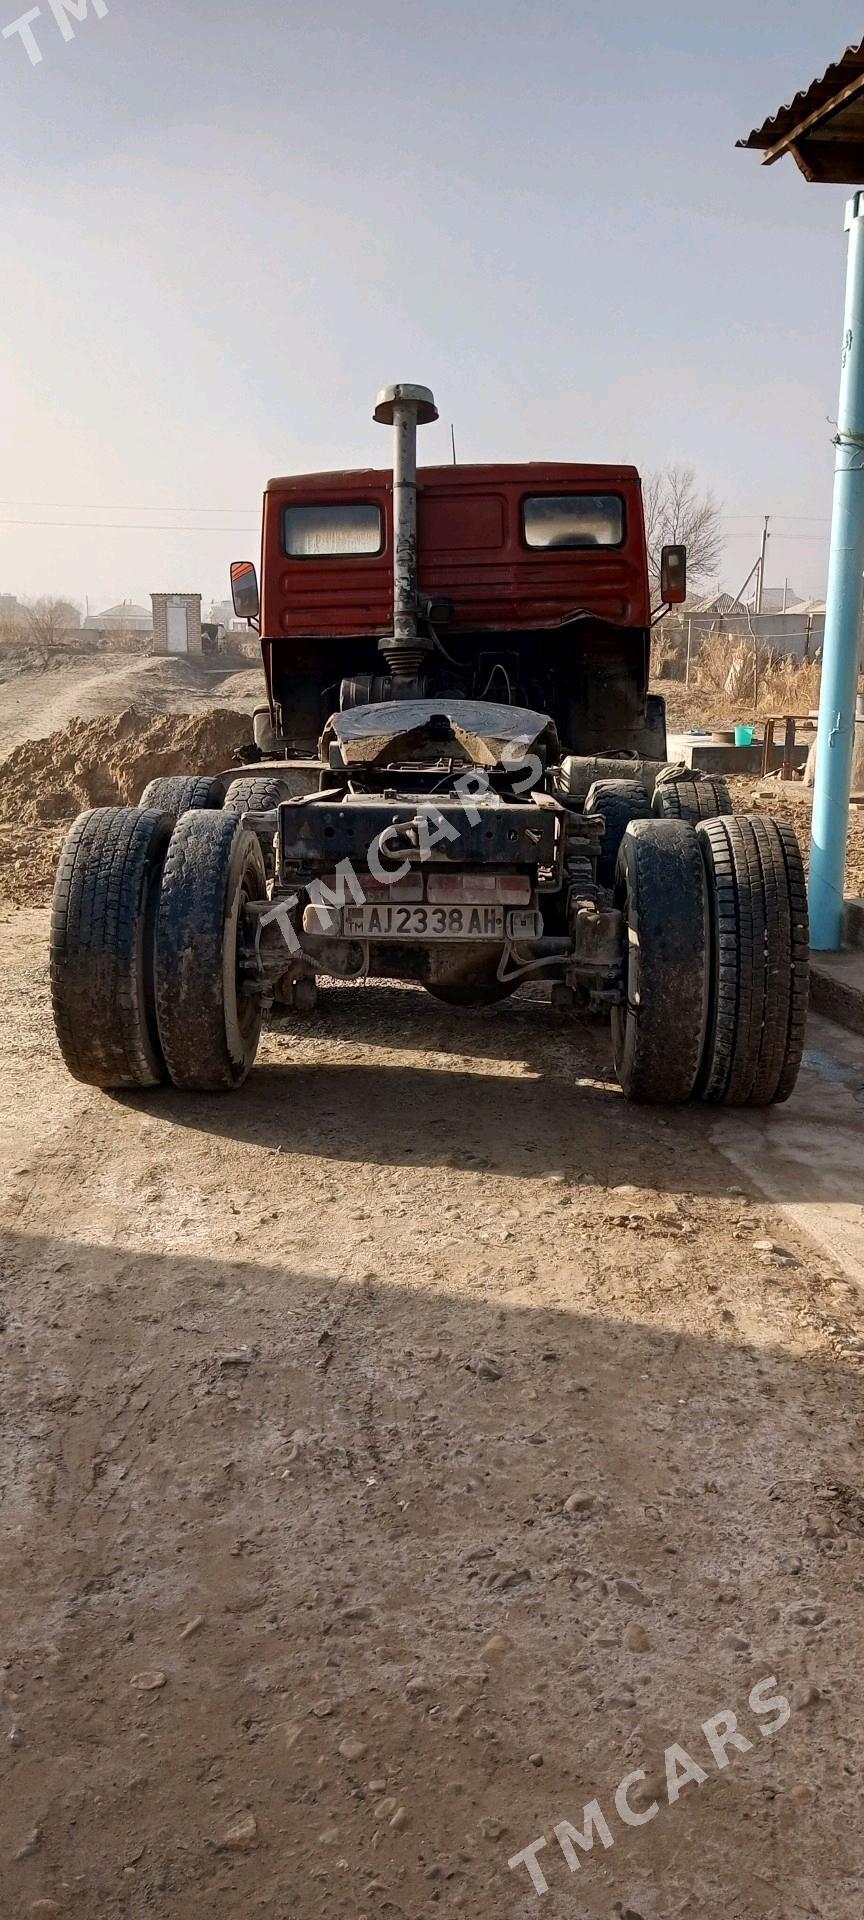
(713, 758)
(837, 987)
(807, 1157)
(853, 924)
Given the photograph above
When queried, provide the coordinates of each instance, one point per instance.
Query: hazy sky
(227, 225)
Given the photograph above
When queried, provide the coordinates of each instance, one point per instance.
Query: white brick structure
(176, 622)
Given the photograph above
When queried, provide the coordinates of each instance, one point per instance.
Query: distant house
(127, 618)
(717, 606)
(796, 630)
(222, 612)
(798, 633)
(778, 599)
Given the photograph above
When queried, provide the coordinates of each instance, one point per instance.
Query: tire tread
(760, 960)
(658, 1036)
(619, 802)
(101, 992)
(686, 798)
(177, 793)
(190, 935)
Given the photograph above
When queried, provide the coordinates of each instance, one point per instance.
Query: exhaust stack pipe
(405, 408)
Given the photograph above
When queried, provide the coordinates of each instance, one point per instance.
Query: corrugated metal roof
(718, 603)
(823, 126)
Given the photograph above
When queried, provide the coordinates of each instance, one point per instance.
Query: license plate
(465, 922)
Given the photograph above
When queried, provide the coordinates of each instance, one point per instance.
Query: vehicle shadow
(520, 1090)
(296, 1551)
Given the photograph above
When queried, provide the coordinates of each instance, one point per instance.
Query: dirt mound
(108, 762)
(105, 762)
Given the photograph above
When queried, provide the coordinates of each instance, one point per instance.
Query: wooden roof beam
(801, 163)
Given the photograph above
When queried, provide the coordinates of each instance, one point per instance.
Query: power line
(816, 519)
(796, 539)
(93, 506)
(102, 526)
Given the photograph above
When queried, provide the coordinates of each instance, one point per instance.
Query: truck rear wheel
(208, 1025)
(257, 795)
(102, 926)
(659, 1033)
(177, 793)
(685, 798)
(619, 802)
(251, 795)
(760, 961)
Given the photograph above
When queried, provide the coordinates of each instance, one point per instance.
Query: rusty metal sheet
(482, 729)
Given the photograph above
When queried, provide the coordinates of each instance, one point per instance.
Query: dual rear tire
(760, 961)
(147, 949)
(658, 1033)
(150, 930)
(677, 796)
(716, 961)
(102, 945)
(209, 1025)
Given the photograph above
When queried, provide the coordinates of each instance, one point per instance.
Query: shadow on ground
(286, 1550)
(516, 1090)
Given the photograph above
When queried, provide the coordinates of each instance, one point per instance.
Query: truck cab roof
(568, 472)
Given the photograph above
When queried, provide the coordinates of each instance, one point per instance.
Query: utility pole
(829, 148)
(842, 616)
(760, 584)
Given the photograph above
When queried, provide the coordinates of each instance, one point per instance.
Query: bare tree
(48, 621)
(677, 514)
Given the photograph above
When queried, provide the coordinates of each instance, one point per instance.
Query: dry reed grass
(745, 680)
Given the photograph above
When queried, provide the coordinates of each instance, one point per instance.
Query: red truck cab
(510, 548)
(534, 578)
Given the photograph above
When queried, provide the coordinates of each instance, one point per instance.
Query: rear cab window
(572, 520)
(332, 530)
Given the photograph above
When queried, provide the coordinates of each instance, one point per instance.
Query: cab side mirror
(673, 576)
(244, 590)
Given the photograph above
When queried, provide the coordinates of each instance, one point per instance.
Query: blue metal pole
(842, 617)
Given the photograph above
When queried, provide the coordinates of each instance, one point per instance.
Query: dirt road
(398, 1454)
(33, 704)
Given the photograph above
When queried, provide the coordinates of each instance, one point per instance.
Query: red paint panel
(471, 550)
(450, 521)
